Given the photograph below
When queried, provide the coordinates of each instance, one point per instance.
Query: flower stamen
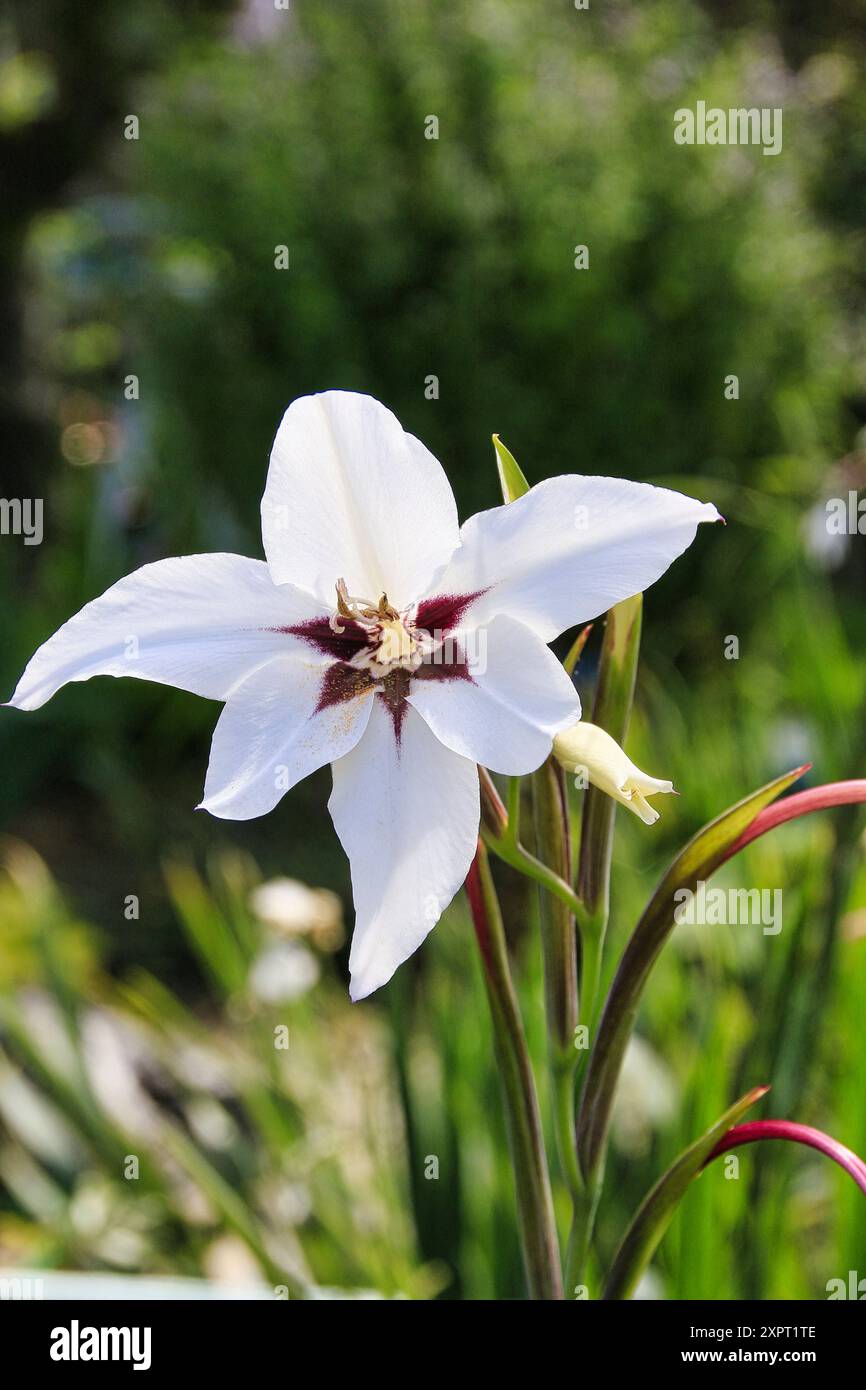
(392, 640)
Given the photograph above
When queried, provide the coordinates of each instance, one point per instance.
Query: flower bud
(586, 748)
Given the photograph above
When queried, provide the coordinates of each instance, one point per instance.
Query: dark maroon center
(441, 615)
(342, 681)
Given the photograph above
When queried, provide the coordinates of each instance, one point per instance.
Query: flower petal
(506, 715)
(200, 622)
(408, 819)
(278, 726)
(569, 549)
(351, 496)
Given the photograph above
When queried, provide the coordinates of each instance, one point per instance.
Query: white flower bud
(586, 747)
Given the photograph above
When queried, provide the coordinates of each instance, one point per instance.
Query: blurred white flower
(113, 1054)
(210, 1122)
(289, 906)
(792, 742)
(826, 549)
(227, 1260)
(33, 1120)
(646, 1097)
(283, 972)
(287, 1203)
(45, 1025)
(650, 1288)
(200, 1067)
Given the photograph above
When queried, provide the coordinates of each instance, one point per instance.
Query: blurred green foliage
(454, 258)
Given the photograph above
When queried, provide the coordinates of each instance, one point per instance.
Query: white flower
(359, 643)
(284, 971)
(646, 1097)
(288, 906)
(590, 750)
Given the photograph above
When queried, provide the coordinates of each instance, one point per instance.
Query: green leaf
(216, 945)
(558, 940)
(655, 1212)
(232, 1206)
(511, 478)
(700, 858)
(575, 651)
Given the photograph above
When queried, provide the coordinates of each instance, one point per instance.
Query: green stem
(592, 945)
(525, 863)
(559, 951)
(611, 711)
(513, 832)
(559, 945)
(580, 1238)
(499, 835)
(532, 1180)
(499, 830)
(562, 1081)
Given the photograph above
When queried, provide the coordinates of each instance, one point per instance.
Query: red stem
(478, 911)
(800, 804)
(756, 1130)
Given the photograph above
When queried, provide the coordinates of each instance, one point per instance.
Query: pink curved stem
(756, 1130)
(800, 804)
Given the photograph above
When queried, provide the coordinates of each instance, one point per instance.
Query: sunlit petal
(200, 622)
(351, 496)
(407, 815)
